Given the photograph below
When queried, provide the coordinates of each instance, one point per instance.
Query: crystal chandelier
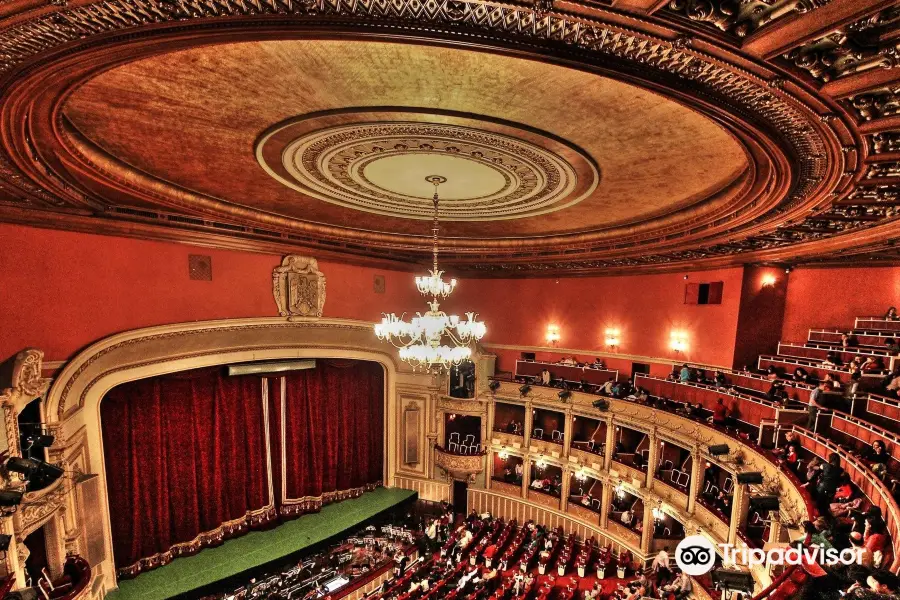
(433, 340)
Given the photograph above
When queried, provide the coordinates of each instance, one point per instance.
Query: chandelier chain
(433, 339)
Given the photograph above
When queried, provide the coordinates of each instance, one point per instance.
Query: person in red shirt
(720, 413)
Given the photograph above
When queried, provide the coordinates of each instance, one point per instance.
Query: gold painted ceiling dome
(586, 137)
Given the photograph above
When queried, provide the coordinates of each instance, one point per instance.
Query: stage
(188, 576)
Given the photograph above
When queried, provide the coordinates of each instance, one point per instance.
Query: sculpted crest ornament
(299, 287)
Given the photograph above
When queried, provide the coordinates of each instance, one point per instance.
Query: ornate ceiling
(576, 137)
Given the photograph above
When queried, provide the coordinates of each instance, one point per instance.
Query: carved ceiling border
(747, 93)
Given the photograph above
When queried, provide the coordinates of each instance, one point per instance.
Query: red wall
(645, 309)
(832, 298)
(63, 290)
(761, 316)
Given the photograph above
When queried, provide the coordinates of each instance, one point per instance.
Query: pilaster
(697, 472)
(652, 458)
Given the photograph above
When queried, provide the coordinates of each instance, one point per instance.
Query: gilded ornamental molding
(457, 466)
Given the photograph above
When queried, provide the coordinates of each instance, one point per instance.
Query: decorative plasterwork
(885, 142)
(876, 104)
(740, 18)
(761, 97)
(368, 166)
(857, 47)
(462, 468)
(299, 287)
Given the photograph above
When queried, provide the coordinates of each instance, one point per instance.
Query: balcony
(463, 467)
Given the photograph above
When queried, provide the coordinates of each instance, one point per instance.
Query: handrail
(720, 391)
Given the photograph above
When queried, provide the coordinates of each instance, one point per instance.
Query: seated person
(684, 375)
(832, 360)
(848, 340)
(607, 388)
(627, 518)
(891, 314)
(720, 380)
(880, 585)
(832, 382)
(877, 454)
(776, 391)
(873, 364)
(891, 346)
(772, 372)
(681, 587)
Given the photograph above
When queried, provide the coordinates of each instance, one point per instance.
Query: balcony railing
(459, 466)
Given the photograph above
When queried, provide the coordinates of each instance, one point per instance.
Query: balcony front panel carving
(463, 467)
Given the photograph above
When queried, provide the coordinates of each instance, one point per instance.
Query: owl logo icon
(695, 555)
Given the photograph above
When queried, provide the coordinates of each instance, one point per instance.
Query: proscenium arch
(73, 402)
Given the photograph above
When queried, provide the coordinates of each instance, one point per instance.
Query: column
(610, 442)
(605, 498)
(526, 476)
(528, 424)
(740, 504)
(567, 433)
(55, 545)
(647, 532)
(698, 468)
(487, 423)
(652, 457)
(489, 467)
(564, 493)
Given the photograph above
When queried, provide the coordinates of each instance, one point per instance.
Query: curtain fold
(196, 457)
(333, 433)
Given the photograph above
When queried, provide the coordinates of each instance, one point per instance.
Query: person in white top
(661, 561)
(545, 377)
(660, 566)
(627, 517)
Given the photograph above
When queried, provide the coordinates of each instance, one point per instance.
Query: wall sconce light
(503, 454)
(580, 476)
(541, 463)
(620, 491)
(552, 336)
(658, 513)
(768, 280)
(612, 337)
(678, 341)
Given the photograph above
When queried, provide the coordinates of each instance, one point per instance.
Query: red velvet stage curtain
(333, 433)
(186, 464)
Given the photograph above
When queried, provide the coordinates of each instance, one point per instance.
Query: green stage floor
(256, 548)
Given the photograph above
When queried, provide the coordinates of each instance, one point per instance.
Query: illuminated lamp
(612, 337)
(552, 335)
(678, 341)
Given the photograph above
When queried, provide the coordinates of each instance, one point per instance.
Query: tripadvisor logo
(696, 555)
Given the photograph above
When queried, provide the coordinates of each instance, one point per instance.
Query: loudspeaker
(750, 477)
(736, 581)
(719, 449)
(10, 498)
(764, 503)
